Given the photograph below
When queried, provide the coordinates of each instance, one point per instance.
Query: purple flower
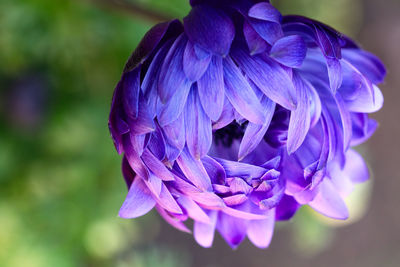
(239, 116)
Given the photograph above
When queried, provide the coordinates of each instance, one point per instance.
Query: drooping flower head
(238, 116)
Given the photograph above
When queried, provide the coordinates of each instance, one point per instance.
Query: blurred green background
(60, 180)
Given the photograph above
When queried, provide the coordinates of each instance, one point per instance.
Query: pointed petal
(233, 230)
(269, 77)
(254, 133)
(211, 89)
(215, 171)
(173, 221)
(286, 208)
(172, 77)
(269, 31)
(156, 166)
(127, 172)
(193, 210)
(204, 233)
(194, 170)
(238, 169)
(365, 103)
(134, 159)
(174, 107)
(227, 116)
(143, 123)
(254, 41)
(138, 202)
(193, 66)
(300, 119)
(167, 201)
(335, 73)
(151, 40)
(368, 64)
(289, 51)
(175, 132)
(199, 137)
(328, 202)
(130, 92)
(240, 93)
(210, 28)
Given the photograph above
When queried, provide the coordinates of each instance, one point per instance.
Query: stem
(133, 9)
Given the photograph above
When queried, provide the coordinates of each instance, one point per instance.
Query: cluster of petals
(238, 116)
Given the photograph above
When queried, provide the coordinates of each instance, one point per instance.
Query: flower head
(239, 116)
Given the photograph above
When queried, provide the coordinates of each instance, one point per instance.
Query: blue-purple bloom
(239, 116)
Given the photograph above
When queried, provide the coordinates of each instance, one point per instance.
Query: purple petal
(130, 92)
(156, 166)
(211, 89)
(238, 185)
(144, 122)
(204, 233)
(265, 11)
(151, 40)
(269, 31)
(260, 232)
(235, 199)
(328, 202)
(154, 184)
(286, 208)
(233, 230)
(215, 171)
(269, 77)
(127, 172)
(138, 202)
(175, 132)
(289, 51)
(300, 119)
(134, 159)
(167, 201)
(355, 167)
(210, 28)
(193, 210)
(194, 170)
(150, 80)
(366, 103)
(174, 107)
(172, 220)
(334, 72)
(193, 66)
(363, 128)
(368, 64)
(157, 144)
(238, 169)
(227, 116)
(254, 41)
(240, 93)
(199, 137)
(254, 133)
(172, 77)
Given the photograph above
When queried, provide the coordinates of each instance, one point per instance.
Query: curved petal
(328, 202)
(240, 93)
(199, 134)
(138, 202)
(211, 89)
(289, 51)
(193, 66)
(269, 77)
(204, 232)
